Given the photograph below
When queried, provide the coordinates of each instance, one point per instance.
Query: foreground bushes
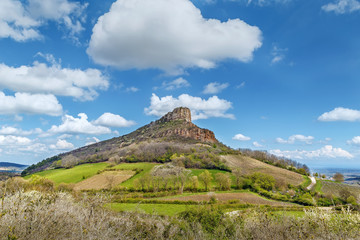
(59, 215)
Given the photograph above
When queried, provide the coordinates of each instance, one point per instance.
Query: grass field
(318, 186)
(250, 165)
(158, 209)
(333, 188)
(72, 175)
(243, 197)
(146, 167)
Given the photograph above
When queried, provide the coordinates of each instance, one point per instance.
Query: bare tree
(338, 177)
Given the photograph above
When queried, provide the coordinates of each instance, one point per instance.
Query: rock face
(180, 113)
(187, 129)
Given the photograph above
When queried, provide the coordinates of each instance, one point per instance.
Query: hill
(11, 167)
(172, 138)
(158, 141)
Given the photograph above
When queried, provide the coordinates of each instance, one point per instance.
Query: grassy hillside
(249, 166)
(340, 189)
(72, 175)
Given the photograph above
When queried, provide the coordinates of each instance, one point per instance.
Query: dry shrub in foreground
(44, 214)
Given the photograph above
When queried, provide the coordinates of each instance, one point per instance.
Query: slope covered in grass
(249, 166)
(72, 175)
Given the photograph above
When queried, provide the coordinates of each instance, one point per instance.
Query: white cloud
(11, 140)
(296, 138)
(278, 54)
(30, 104)
(170, 35)
(264, 2)
(241, 85)
(176, 84)
(215, 87)
(62, 144)
(41, 78)
(241, 137)
(132, 89)
(7, 130)
(258, 145)
(340, 114)
(354, 141)
(72, 125)
(32, 148)
(21, 21)
(200, 108)
(342, 6)
(112, 120)
(92, 141)
(327, 151)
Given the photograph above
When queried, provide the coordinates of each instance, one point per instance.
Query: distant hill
(11, 167)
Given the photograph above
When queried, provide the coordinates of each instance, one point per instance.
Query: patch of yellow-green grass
(306, 182)
(146, 168)
(318, 186)
(297, 214)
(197, 172)
(72, 175)
(158, 209)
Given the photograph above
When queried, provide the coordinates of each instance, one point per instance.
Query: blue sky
(275, 75)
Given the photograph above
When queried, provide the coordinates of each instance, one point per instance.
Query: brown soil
(243, 198)
(250, 166)
(104, 180)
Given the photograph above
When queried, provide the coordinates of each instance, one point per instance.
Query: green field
(158, 209)
(72, 175)
(146, 167)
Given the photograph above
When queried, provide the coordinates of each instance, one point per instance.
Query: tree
(237, 173)
(262, 180)
(194, 182)
(206, 178)
(183, 177)
(338, 177)
(223, 181)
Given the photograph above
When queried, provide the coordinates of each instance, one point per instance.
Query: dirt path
(313, 182)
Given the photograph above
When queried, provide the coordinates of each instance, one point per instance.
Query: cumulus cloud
(215, 87)
(354, 141)
(170, 35)
(21, 20)
(264, 2)
(41, 78)
(342, 6)
(327, 151)
(81, 125)
(176, 84)
(200, 108)
(62, 144)
(296, 138)
(241, 137)
(92, 141)
(14, 140)
(112, 120)
(258, 145)
(340, 114)
(30, 104)
(7, 130)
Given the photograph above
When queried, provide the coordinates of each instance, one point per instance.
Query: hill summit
(174, 132)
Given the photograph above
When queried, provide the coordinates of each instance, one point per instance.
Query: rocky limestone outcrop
(180, 113)
(187, 129)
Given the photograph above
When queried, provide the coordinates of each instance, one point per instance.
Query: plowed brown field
(104, 180)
